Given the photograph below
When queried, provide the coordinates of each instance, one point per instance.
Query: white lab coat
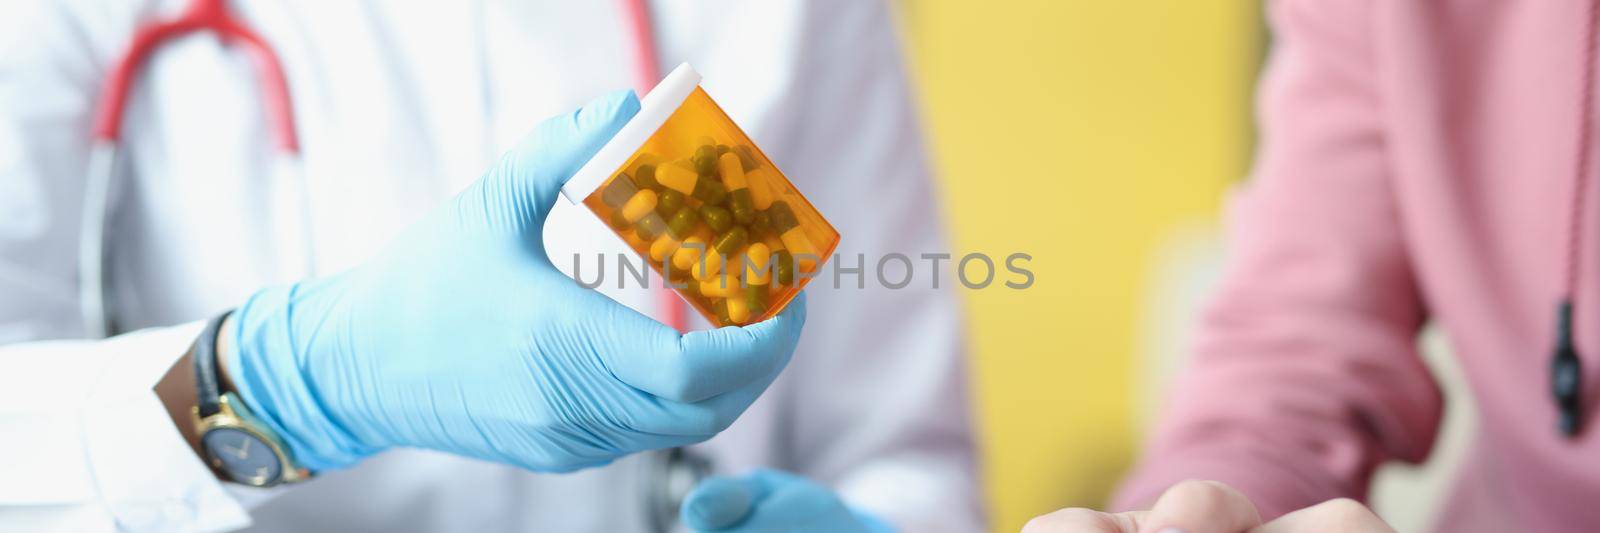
(400, 104)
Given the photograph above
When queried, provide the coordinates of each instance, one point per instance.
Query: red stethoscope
(212, 16)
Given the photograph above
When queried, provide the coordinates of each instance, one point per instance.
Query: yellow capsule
(688, 254)
(805, 253)
(732, 172)
(719, 287)
(774, 244)
(760, 188)
(642, 203)
(819, 234)
(811, 221)
(758, 259)
(663, 247)
(738, 310)
(677, 177)
(730, 266)
(707, 267)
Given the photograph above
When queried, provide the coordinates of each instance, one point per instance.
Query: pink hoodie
(1419, 162)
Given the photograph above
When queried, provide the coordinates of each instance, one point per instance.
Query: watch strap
(206, 380)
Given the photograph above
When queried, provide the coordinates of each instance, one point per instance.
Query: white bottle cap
(654, 109)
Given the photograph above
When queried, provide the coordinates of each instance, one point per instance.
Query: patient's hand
(1211, 507)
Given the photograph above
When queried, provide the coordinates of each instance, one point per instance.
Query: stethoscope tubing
(91, 240)
(200, 16)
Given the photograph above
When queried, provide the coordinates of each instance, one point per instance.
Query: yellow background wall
(1082, 132)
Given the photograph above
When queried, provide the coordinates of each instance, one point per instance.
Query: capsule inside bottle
(709, 212)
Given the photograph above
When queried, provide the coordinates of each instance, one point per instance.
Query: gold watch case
(233, 415)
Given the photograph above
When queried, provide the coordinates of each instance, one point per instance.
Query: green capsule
(680, 278)
(760, 225)
(743, 207)
(650, 227)
(645, 176)
(756, 297)
(710, 191)
(617, 221)
(747, 158)
(732, 241)
(705, 160)
(785, 268)
(682, 223)
(669, 201)
(718, 218)
(783, 218)
(618, 191)
(721, 308)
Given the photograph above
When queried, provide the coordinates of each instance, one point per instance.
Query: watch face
(243, 456)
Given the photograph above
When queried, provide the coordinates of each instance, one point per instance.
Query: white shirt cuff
(94, 436)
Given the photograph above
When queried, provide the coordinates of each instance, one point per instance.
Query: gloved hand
(462, 336)
(770, 500)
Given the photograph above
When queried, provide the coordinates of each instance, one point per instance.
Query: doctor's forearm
(177, 393)
(177, 389)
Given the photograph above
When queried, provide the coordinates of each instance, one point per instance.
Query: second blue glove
(770, 500)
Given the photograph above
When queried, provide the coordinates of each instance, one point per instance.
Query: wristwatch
(235, 443)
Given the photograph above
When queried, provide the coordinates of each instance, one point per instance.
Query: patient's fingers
(1197, 506)
(1338, 515)
(1080, 520)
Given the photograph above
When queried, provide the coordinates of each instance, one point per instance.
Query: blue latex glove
(770, 500)
(462, 336)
